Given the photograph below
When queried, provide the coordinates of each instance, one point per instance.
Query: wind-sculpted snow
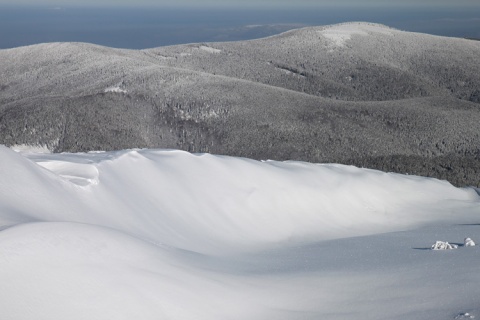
(165, 234)
(219, 202)
(354, 93)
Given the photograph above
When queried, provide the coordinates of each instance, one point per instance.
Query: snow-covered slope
(165, 234)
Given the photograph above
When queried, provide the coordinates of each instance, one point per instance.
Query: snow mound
(468, 242)
(443, 245)
(100, 273)
(209, 203)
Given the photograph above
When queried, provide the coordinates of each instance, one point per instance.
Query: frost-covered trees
(293, 96)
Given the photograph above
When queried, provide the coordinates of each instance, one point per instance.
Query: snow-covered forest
(356, 93)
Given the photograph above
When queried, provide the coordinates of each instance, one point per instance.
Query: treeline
(460, 170)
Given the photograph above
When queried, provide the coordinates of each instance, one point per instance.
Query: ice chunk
(468, 242)
(443, 245)
(465, 315)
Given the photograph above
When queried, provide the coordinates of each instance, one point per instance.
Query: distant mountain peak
(339, 34)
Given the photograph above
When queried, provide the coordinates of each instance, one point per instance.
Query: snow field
(164, 234)
(339, 34)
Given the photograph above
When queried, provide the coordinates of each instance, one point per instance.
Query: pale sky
(243, 3)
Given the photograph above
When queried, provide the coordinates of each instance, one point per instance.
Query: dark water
(151, 27)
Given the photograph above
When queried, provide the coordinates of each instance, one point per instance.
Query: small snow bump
(443, 245)
(468, 242)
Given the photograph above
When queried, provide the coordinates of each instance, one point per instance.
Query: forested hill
(355, 93)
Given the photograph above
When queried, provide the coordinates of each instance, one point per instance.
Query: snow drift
(165, 234)
(205, 203)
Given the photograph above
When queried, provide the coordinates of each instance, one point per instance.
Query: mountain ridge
(354, 96)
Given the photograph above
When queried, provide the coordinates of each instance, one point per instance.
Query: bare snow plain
(165, 234)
